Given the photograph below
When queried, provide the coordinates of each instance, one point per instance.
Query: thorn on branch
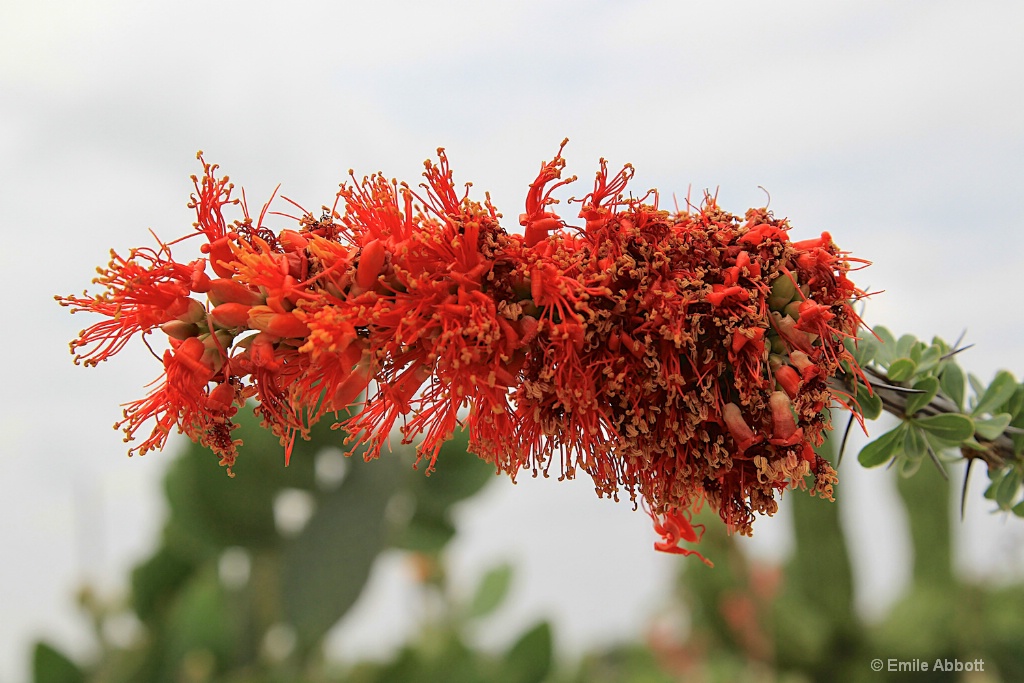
(963, 490)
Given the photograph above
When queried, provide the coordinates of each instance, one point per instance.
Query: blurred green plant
(798, 622)
(251, 573)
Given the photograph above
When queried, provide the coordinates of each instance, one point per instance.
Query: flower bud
(292, 241)
(784, 429)
(738, 427)
(782, 292)
(371, 261)
(230, 315)
(194, 312)
(224, 290)
(278, 324)
(788, 379)
(179, 329)
(792, 309)
(221, 398)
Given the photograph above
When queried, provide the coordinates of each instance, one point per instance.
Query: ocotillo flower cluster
(681, 356)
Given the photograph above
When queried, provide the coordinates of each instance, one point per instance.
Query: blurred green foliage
(251, 572)
(798, 622)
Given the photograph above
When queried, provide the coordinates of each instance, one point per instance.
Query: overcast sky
(895, 126)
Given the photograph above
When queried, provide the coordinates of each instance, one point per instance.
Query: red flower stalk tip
(681, 357)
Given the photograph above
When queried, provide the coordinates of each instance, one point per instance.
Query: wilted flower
(681, 357)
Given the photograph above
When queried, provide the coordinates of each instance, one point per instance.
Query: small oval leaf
(1016, 403)
(929, 386)
(49, 665)
(882, 449)
(492, 591)
(991, 428)
(531, 657)
(949, 427)
(863, 350)
(902, 369)
(904, 345)
(1006, 490)
(870, 404)
(887, 348)
(914, 444)
(977, 386)
(952, 382)
(916, 351)
(997, 393)
(910, 466)
(929, 358)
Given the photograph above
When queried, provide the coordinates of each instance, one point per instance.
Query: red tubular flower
(784, 429)
(184, 401)
(371, 260)
(142, 292)
(675, 527)
(738, 428)
(536, 220)
(788, 380)
(645, 348)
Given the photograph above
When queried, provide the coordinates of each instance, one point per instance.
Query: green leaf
(324, 568)
(938, 445)
(863, 349)
(1018, 509)
(887, 347)
(492, 591)
(930, 387)
(971, 443)
(1006, 490)
(952, 383)
(948, 427)
(997, 393)
(910, 466)
(51, 666)
(990, 490)
(870, 403)
(916, 351)
(901, 369)
(976, 385)
(991, 428)
(1016, 403)
(929, 358)
(884, 448)
(530, 659)
(914, 444)
(885, 335)
(905, 345)
(1017, 408)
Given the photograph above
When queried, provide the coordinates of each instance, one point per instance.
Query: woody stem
(996, 453)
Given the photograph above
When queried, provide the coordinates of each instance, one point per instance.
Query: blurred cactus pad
(250, 573)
